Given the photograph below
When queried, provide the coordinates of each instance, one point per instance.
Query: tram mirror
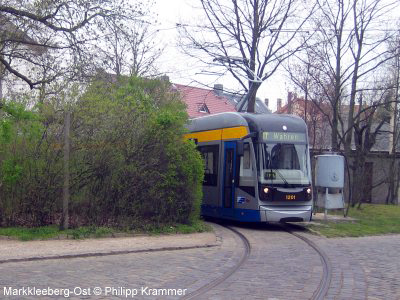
(240, 148)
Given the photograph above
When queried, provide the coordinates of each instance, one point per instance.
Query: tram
(257, 167)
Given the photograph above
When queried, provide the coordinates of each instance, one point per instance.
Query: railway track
(319, 293)
(226, 275)
(323, 286)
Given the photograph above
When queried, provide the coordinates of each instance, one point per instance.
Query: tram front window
(284, 164)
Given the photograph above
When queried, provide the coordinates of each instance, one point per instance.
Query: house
(379, 159)
(315, 115)
(203, 101)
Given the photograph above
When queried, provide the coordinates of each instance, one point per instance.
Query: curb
(97, 254)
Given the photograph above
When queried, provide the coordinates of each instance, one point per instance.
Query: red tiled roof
(195, 98)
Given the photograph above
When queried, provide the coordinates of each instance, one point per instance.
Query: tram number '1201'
(290, 197)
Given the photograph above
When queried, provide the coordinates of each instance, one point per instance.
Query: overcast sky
(182, 69)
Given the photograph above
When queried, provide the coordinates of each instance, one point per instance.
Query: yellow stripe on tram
(218, 134)
(234, 133)
(205, 136)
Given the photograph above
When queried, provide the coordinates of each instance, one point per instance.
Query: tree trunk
(337, 95)
(251, 97)
(358, 179)
(253, 86)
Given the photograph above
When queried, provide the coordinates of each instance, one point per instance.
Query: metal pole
(66, 195)
(326, 203)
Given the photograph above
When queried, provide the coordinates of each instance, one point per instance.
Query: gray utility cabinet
(329, 181)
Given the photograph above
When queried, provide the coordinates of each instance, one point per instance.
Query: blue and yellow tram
(257, 167)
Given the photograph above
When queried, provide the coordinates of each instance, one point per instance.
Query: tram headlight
(266, 193)
(308, 192)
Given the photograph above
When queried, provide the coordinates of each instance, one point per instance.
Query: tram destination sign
(288, 137)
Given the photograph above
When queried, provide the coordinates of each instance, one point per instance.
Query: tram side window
(245, 165)
(210, 155)
(246, 156)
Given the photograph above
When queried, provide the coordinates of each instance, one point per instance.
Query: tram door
(229, 179)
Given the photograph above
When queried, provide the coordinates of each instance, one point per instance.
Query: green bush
(132, 155)
(28, 166)
(130, 166)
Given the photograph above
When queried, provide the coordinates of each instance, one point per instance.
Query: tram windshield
(284, 163)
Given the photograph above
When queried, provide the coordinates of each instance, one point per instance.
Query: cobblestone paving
(185, 269)
(280, 266)
(363, 268)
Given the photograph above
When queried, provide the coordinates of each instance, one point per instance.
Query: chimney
(266, 101)
(218, 89)
(164, 78)
(278, 104)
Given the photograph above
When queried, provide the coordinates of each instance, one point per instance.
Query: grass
(371, 219)
(53, 232)
(197, 226)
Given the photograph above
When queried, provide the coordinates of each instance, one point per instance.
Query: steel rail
(319, 293)
(322, 290)
(205, 288)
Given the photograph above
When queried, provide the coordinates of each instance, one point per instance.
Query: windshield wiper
(281, 176)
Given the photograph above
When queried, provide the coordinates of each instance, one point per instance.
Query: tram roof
(274, 122)
(256, 122)
(217, 121)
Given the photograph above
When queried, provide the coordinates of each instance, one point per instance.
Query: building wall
(380, 177)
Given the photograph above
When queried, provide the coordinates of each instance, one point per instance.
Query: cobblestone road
(364, 268)
(280, 266)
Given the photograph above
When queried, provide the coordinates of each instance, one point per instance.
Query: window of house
(211, 156)
(203, 108)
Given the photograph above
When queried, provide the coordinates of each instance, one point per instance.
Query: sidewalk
(14, 251)
(332, 218)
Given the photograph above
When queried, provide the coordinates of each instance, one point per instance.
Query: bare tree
(250, 39)
(145, 51)
(346, 52)
(368, 55)
(129, 47)
(394, 100)
(308, 81)
(58, 37)
(326, 54)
